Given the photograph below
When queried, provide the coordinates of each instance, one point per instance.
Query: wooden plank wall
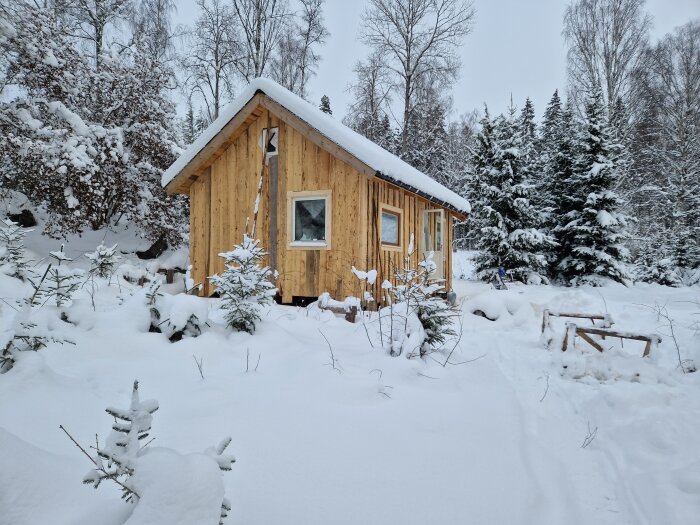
(306, 167)
(387, 261)
(223, 198)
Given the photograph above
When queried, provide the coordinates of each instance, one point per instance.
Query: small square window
(309, 219)
(391, 227)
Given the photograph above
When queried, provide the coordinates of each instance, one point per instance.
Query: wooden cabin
(330, 200)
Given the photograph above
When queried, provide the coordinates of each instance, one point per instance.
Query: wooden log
(652, 340)
(570, 336)
(620, 334)
(606, 318)
(588, 339)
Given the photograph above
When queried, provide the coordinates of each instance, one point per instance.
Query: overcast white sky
(515, 47)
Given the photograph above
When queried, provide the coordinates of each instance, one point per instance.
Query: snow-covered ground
(496, 436)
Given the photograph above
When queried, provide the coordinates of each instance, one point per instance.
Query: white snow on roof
(390, 166)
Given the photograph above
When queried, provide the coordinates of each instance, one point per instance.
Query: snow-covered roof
(387, 165)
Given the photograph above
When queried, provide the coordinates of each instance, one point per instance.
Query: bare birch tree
(607, 39)
(151, 23)
(93, 18)
(262, 23)
(296, 57)
(419, 38)
(211, 55)
(371, 92)
(667, 146)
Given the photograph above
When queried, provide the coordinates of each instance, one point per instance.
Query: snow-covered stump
(349, 307)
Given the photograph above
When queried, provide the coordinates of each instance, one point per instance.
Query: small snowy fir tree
(245, 286)
(509, 235)
(61, 281)
(325, 105)
(122, 455)
(12, 261)
(103, 261)
(116, 461)
(591, 232)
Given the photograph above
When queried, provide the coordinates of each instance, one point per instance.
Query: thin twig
(590, 436)
(367, 332)
(546, 389)
(332, 363)
(199, 364)
(459, 338)
(98, 467)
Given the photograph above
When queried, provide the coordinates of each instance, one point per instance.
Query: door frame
(438, 249)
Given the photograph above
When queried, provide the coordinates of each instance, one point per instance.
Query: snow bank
(40, 487)
(176, 489)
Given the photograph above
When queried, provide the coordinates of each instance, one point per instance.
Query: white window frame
(393, 210)
(292, 197)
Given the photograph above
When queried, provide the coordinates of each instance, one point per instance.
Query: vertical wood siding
(223, 197)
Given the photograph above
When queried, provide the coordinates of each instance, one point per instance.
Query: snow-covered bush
(12, 261)
(145, 473)
(658, 271)
(175, 316)
(103, 261)
(245, 286)
(367, 279)
(87, 139)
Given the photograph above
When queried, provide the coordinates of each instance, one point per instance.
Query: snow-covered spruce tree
(325, 105)
(116, 460)
(482, 162)
(87, 143)
(12, 259)
(653, 268)
(559, 150)
(245, 286)
(508, 223)
(103, 261)
(548, 140)
(592, 229)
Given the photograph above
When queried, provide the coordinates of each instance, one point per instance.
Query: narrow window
(391, 226)
(272, 145)
(309, 214)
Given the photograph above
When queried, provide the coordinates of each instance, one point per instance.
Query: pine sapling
(152, 295)
(116, 460)
(12, 258)
(62, 282)
(103, 261)
(245, 286)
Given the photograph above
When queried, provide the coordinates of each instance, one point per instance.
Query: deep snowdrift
(494, 438)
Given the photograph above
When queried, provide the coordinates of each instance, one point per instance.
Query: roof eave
(461, 213)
